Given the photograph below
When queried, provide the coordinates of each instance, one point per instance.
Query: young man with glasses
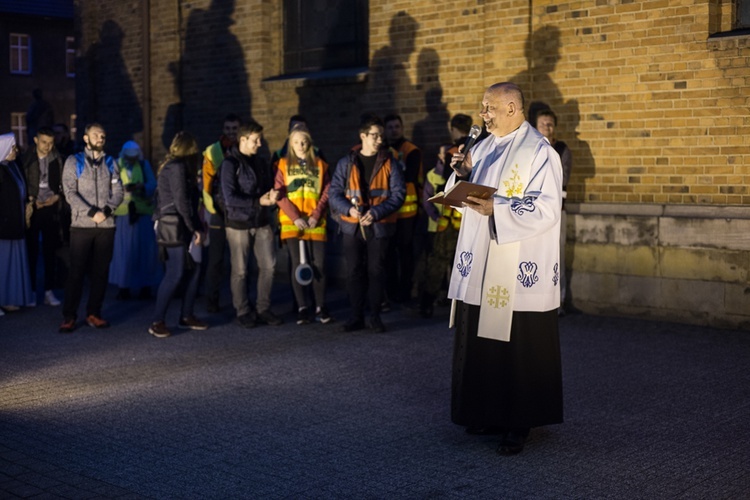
(367, 190)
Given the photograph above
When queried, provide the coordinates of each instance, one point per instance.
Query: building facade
(38, 52)
(651, 96)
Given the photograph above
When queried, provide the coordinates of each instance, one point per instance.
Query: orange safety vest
(411, 201)
(379, 187)
(304, 188)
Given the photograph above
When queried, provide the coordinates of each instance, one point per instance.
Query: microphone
(472, 138)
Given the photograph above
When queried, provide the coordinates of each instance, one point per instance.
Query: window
(70, 57)
(325, 34)
(743, 14)
(20, 54)
(18, 127)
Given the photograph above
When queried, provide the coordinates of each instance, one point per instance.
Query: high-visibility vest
(411, 201)
(303, 189)
(379, 185)
(134, 176)
(448, 214)
(212, 158)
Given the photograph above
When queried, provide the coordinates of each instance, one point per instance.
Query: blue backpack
(80, 163)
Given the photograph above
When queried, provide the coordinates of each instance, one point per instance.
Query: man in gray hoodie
(92, 187)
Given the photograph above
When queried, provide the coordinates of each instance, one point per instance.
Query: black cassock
(516, 384)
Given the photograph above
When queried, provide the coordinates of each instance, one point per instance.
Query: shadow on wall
(211, 76)
(432, 131)
(542, 52)
(110, 97)
(389, 88)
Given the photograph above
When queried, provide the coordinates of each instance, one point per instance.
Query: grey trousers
(262, 241)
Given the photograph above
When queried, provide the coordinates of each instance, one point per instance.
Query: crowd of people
(501, 259)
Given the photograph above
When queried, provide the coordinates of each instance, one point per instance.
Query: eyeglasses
(375, 135)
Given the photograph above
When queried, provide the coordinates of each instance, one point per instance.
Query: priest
(507, 375)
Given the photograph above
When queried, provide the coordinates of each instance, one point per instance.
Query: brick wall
(652, 103)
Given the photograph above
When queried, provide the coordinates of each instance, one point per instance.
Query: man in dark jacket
(367, 189)
(42, 166)
(247, 189)
(92, 187)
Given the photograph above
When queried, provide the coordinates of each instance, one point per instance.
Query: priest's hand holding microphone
(461, 165)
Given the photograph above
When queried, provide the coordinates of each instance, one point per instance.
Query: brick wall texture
(654, 108)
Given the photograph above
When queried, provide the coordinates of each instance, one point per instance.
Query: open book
(458, 194)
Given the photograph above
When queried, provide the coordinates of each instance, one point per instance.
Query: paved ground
(653, 410)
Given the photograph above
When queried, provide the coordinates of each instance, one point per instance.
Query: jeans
(262, 241)
(176, 265)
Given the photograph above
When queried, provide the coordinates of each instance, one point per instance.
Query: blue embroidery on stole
(464, 263)
(520, 207)
(527, 274)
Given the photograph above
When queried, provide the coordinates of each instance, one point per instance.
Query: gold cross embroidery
(497, 296)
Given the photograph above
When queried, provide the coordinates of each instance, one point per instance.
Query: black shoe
(303, 316)
(269, 318)
(376, 324)
(322, 316)
(512, 443)
(246, 320)
(354, 324)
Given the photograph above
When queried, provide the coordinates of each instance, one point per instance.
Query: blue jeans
(173, 275)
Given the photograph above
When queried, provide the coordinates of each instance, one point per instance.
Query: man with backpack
(92, 187)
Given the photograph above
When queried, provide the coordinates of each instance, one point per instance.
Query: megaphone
(304, 273)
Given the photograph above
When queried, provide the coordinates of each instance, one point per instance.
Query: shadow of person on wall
(543, 52)
(432, 131)
(174, 113)
(110, 96)
(389, 88)
(214, 79)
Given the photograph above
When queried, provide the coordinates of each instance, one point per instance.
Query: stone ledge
(653, 210)
(316, 78)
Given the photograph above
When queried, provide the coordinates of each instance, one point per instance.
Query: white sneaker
(50, 299)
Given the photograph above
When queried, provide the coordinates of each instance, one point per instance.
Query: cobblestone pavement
(652, 410)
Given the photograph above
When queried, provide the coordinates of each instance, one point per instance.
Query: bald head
(502, 108)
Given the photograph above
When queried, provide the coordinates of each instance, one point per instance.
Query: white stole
(485, 272)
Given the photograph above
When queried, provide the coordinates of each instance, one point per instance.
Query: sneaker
(246, 320)
(159, 330)
(31, 304)
(322, 316)
(354, 324)
(192, 323)
(67, 326)
(303, 316)
(50, 299)
(376, 324)
(269, 318)
(96, 322)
